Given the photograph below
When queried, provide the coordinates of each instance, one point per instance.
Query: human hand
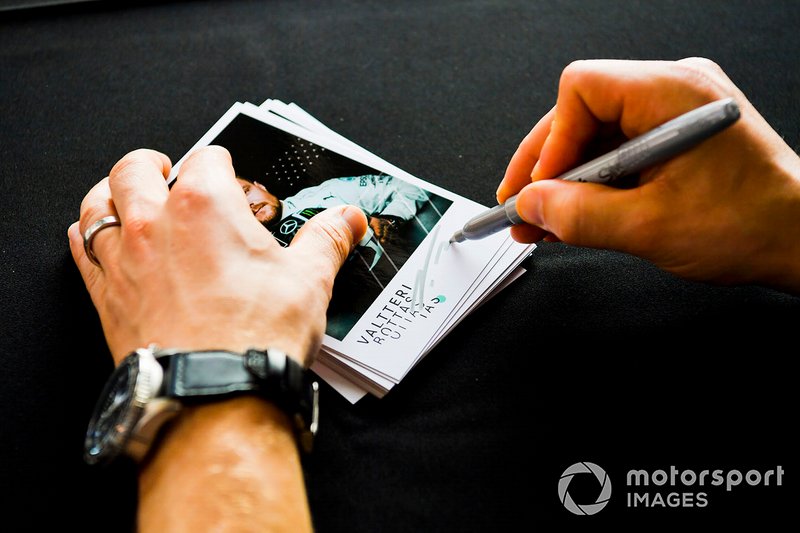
(726, 211)
(192, 268)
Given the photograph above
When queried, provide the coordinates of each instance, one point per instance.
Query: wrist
(152, 386)
(780, 265)
(220, 464)
(784, 273)
(214, 430)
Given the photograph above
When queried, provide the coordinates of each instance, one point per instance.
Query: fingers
(637, 95)
(138, 185)
(89, 272)
(518, 173)
(209, 170)
(596, 94)
(527, 233)
(326, 240)
(587, 214)
(206, 186)
(95, 205)
(134, 188)
(105, 244)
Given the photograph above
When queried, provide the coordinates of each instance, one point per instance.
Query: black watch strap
(206, 375)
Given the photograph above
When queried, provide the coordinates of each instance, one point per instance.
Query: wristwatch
(151, 386)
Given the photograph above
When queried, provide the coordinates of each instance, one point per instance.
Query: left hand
(192, 268)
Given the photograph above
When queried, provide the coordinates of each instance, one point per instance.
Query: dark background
(592, 356)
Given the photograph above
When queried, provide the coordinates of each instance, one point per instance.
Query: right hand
(727, 211)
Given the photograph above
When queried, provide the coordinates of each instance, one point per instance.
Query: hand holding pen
(667, 140)
(726, 211)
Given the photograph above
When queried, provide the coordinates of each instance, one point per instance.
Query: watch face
(115, 415)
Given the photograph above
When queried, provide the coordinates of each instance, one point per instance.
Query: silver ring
(91, 231)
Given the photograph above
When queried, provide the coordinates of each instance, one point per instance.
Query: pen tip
(457, 237)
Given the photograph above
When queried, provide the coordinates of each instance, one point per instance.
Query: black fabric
(591, 356)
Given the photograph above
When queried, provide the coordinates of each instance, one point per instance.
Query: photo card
(404, 286)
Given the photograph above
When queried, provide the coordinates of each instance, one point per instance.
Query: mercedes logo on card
(589, 508)
(289, 227)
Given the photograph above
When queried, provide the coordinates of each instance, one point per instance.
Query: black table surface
(591, 356)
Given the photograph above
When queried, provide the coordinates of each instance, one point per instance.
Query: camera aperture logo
(588, 508)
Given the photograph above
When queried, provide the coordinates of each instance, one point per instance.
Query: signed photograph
(405, 285)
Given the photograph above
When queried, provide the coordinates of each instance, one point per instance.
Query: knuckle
(208, 155)
(573, 72)
(703, 77)
(190, 197)
(581, 71)
(90, 213)
(97, 200)
(703, 63)
(216, 150)
(130, 163)
(577, 66)
(138, 228)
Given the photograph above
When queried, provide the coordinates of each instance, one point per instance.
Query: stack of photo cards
(405, 286)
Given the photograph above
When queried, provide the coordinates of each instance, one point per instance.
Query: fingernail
(70, 228)
(497, 192)
(535, 168)
(529, 207)
(357, 221)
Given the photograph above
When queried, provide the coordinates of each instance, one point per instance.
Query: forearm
(232, 465)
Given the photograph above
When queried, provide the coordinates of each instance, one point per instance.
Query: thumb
(325, 241)
(583, 214)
